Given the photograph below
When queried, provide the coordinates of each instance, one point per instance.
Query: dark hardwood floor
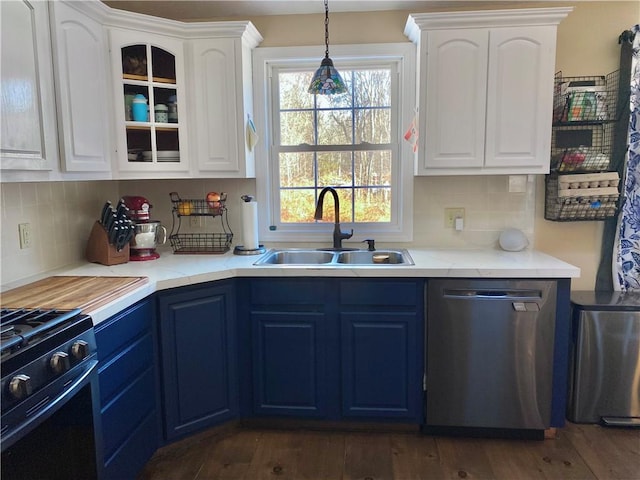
(577, 452)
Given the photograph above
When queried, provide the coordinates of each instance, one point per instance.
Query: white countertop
(171, 270)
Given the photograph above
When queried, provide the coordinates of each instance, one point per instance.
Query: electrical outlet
(24, 230)
(450, 215)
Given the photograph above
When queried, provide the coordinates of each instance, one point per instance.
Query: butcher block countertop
(171, 271)
(69, 292)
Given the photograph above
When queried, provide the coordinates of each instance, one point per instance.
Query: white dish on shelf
(162, 155)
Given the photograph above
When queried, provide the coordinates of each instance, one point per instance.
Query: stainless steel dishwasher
(489, 353)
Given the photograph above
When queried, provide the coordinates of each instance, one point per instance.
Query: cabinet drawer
(374, 293)
(134, 453)
(294, 291)
(122, 416)
(114, 334)
(122, 369)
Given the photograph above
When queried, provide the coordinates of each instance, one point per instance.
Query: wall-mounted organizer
(584, 114)
(191, 243)
(590, 196)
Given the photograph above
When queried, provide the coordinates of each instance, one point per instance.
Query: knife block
(99, 250)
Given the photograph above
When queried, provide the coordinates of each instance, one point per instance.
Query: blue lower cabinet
(289, 373)
(337, 348)
(380, 365)
(128, 390)
(197, 339)
(382, 348)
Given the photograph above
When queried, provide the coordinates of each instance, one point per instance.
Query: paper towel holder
(240, 249)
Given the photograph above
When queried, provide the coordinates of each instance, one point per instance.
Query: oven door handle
(37, 416)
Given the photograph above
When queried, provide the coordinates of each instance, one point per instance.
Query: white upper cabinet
(221, 99)
(485, 90)
(28, 132)
(80, 59)
(149, 104)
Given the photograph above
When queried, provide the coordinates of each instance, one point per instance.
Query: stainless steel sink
(295, 257)
(377, 257)
(278, 257)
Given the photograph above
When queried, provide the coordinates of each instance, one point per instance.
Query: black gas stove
(44, 355)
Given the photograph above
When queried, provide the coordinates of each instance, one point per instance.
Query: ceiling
(209, 9)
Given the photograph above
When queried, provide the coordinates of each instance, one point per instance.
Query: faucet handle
(371, 244)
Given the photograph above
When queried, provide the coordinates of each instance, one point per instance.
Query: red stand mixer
(148, 234)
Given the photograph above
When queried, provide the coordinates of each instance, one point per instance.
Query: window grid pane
(361, 178)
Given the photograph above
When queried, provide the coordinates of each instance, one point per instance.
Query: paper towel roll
(250, 225)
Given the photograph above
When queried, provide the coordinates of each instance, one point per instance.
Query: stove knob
(80, 350)
(59, 362)
(20, 386)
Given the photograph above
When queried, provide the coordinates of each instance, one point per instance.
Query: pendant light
(327, 80)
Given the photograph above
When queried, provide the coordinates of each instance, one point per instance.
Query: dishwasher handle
(471, 294)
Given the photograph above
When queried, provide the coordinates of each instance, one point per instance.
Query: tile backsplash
(61, 214)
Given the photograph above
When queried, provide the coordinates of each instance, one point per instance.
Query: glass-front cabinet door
(150, 103)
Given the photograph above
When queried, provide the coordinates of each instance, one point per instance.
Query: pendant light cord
(326, 28)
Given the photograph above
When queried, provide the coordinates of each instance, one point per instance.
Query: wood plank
(511, 459)
(322, 457)
(68, 292)
(609, 452)
(415, 457)
(275, 457)
(368, 456)
(464, 458)
(559, 459)
(230, 458)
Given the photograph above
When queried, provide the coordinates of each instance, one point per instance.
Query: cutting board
(68, 292)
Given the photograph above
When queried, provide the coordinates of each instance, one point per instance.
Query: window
(351, 142)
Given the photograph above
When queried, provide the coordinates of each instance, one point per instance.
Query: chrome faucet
(338, 235)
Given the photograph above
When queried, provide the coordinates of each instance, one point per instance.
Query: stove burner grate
(20, 326)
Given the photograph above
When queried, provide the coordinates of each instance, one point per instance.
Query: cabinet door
(221, 102)
(288, 363)
(455, 86)
(80, 50)
(28, 122)
(520, 97)
(150, 129)
(198, 358)
(380, 365)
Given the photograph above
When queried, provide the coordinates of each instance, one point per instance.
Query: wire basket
(585, 99)
(578, 204)
(189, 243)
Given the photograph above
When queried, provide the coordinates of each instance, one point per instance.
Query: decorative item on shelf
(128, 103)
(135, 65)
(250, 244)
(161, 113)
(327, 80)
(172, 104)
(213, 205)
(139, 108)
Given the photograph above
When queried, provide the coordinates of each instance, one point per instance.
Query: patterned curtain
(626, 260)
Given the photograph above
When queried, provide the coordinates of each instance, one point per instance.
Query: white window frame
(265, 60)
